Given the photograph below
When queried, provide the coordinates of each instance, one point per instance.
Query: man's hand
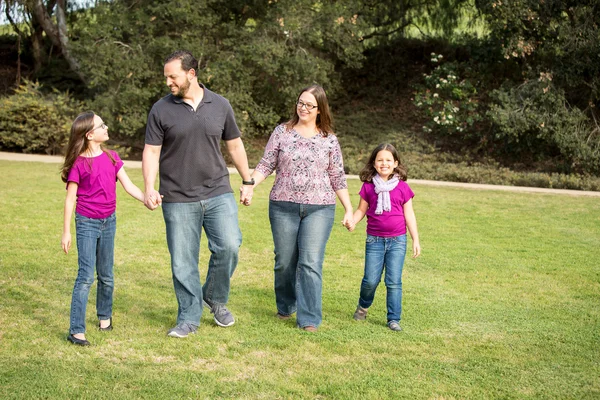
(152, 199)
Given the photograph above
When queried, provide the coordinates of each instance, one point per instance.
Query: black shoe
(79, 342)
(108, 328)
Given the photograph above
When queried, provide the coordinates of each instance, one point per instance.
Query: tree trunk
(57, 34)
(36, 47)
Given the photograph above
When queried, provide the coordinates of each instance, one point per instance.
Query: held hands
(246, 192)
(348, 221)
(152, 199)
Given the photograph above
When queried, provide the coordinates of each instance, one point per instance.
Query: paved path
(475, 186)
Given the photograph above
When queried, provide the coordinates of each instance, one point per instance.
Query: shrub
(448, 101)
(534, 117)
(34, 122)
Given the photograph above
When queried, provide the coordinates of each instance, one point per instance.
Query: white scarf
(383, 189)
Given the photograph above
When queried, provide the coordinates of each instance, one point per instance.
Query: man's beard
(183, 89)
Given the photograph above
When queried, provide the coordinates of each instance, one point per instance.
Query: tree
(49, 18)
(256, 53)
(554, 46)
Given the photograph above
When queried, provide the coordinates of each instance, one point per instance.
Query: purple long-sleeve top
(309, 170)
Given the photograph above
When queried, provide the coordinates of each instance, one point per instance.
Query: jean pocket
(371, 239)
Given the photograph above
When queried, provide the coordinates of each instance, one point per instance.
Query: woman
(310, 173)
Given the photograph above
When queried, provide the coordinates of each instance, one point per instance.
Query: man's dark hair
(188, 61)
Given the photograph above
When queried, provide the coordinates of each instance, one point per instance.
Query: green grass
(503, 303)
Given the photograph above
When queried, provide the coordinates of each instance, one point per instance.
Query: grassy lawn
(503, 303)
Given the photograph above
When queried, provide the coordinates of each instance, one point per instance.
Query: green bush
(534, 117)
(34, 122)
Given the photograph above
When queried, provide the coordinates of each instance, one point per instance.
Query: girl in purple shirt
(386, 200)
(91, 172)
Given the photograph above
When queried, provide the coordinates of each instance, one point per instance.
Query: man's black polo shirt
(192, 167)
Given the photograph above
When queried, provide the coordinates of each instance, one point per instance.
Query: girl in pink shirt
(386, 200)
(91, 172)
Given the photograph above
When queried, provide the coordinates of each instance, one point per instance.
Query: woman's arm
(411, 225)
(344, 197)
(69, 206)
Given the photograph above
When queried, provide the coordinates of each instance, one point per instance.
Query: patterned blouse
(309, 170)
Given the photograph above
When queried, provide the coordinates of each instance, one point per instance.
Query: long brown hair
(369, 171)
(79, 143)
(324, 118)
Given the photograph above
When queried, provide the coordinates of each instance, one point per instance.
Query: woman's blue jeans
(184, 222)
(95, 248)
(300, 234)
(388, 253)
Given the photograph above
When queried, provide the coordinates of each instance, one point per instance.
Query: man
(183, 136)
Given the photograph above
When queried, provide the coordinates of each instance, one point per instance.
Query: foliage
(535, 118)
(555, 46)
(450, 103)
(257, 55)
(32, 121)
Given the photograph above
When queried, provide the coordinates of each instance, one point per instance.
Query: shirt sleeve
(406, 191)
(118, 162)
(337, 176)
(154, 132)
(268, 162)
(74, 174)
(230, 130)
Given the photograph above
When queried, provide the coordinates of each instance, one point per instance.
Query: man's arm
(150, 160)
(236, 150)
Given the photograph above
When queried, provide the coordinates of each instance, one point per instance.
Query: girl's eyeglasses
(103, 126)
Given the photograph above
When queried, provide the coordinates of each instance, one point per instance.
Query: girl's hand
(348, 221)
(152, 199)
(66, 242)
(416, 250)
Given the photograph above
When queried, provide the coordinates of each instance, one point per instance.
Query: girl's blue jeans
(380, 253)
(300, 234)
(95, 247)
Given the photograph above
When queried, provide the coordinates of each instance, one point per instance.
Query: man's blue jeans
(383, 253)
(184, 222)
(95, 248)
(300, 234)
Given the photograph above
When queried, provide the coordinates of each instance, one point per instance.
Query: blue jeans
(95, 248)
(389, 253)
(300, 234)
(184, 222)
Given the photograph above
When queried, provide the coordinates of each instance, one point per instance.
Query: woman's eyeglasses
(308, 106)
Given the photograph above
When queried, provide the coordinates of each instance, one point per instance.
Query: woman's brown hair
(324, 118)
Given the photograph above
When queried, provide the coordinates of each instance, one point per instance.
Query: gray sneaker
(361, 313)
(394, 325)
(222, 316)
(182, 330)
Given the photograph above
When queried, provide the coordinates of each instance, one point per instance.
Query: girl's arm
(344, 197)
(129, 186)
(69, 206)
(360, 212)
(411, 225)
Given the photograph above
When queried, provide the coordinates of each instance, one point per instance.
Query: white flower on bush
(455, 109)
(435, 95)
(436, 119)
